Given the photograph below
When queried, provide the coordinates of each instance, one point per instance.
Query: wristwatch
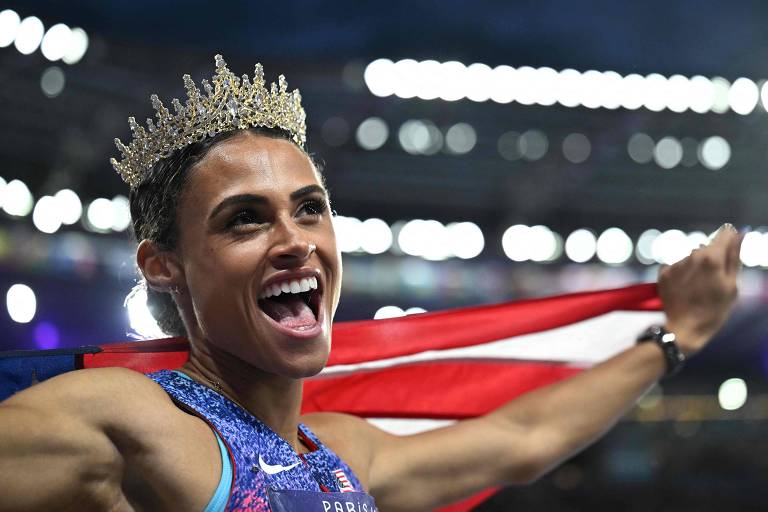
(668, 343)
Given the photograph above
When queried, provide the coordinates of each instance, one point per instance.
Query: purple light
(764, 354)
(46, 336)
(765, 361)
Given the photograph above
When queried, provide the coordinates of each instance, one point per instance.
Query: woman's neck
(274, 400)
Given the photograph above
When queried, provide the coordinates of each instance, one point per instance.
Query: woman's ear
(161, 267)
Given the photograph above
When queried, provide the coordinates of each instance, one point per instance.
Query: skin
(111, 439)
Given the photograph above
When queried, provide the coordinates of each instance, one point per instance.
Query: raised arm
(73, 442)
(54, 452)
(530, 435)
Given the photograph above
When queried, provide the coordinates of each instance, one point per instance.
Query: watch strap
(667, 341)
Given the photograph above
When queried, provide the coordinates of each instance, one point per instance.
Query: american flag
(423, 371)
(344, 484)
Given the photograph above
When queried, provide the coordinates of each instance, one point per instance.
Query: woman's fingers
(699, 290)
(733, 264)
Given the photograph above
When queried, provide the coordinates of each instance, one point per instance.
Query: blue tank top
(263, 464)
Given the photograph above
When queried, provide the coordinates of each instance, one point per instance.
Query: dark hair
(154, 201)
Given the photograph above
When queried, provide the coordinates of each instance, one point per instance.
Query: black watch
(668, 343)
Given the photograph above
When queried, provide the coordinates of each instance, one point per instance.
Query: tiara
(231, 103)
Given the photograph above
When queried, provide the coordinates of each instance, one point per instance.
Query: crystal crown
(231, 103)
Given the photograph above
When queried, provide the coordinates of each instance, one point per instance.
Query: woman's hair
(154, 202)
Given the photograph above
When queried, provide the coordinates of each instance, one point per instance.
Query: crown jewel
(229, 103)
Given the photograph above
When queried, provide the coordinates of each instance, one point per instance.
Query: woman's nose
(291, 248)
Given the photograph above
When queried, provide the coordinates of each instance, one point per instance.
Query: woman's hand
(699, 291)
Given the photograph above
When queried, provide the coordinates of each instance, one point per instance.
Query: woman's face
(254, 221)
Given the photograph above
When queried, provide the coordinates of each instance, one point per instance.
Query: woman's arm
(525, 438)
(59, 440)
(54, 453)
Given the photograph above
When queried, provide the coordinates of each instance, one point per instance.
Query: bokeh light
(21, 303)
(614, 246)
(732, 394)
(466, 239)
(372, 133)
(388, 312)
(714, 153)
(47, 216)
(52, 81)
(581, 245)
(56, 42)
(668, 153)
(460, 139)
(9, 27)
(348, 233)
(29, 35)
(78, 45)
(375, 236)
(69, 205)
(17, 199)
(46, 336)
(640, 148)
(576, 148)
(670, 247)
(644, 247)
(100, 214)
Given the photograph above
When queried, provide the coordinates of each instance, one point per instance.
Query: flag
(417, 372)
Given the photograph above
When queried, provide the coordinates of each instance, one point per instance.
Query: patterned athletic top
(266, 469)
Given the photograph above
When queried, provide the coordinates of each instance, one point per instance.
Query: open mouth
(293, 304)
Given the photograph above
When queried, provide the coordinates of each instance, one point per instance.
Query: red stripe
(470, 503)
(144, 362)
(445, 389)
(370, 340)
(158, 345)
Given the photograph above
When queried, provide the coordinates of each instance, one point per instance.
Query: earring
(312, 248)
(175, 290)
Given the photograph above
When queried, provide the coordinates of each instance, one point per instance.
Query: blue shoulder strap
(261, 458)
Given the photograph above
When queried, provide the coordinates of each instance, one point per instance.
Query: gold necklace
(217, 387)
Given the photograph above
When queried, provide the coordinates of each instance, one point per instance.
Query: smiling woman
(238, 253)
(154, 203)
(254, 215)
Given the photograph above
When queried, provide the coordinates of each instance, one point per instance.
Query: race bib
(312, 501)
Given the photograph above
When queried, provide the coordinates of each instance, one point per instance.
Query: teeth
(292, 286)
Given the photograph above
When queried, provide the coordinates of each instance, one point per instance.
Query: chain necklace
(217, 387)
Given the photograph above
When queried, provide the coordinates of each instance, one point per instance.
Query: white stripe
(581, 344)
(407, 427)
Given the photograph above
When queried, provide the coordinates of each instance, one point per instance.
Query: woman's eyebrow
(305, 191)
(238, 199)
(255, 198)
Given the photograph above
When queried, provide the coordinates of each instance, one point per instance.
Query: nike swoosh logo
(273, 470)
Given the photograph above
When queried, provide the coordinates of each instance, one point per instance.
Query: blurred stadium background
(475, 153)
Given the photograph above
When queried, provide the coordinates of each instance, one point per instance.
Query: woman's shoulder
(334, 425)
(103, 395)
(93, 382)
(116, 425)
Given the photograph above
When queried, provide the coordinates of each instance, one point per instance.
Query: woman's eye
(313, 207)
(244, 217)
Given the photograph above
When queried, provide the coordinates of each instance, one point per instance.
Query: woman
(238, 252)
